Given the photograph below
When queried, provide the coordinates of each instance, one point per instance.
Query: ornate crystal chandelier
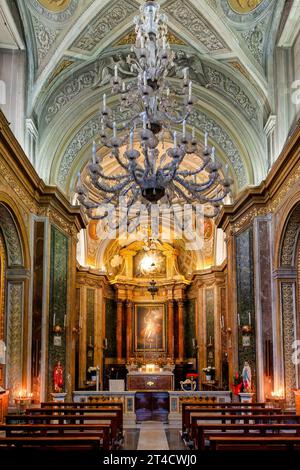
(155, 113)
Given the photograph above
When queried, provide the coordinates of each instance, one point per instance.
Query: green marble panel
(57, 302)
(189, 328)
(210, 327)
(111, 328)
(245, 300)
(90, 306)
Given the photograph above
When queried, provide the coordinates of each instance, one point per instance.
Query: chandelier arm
(176, 120)
(122, 164)
(118, 224)
(108, 178)
(215, 199)
(86, 202)
(97, 217)
(109, 189)
(192, 172)
(126, 125)
(199, 187)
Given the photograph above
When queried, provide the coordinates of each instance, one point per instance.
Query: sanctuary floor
(152, 435)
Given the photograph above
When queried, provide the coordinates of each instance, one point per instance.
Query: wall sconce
(246, 329)
(57, 329)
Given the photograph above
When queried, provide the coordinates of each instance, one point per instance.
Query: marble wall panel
(245, 300)
(58, 301)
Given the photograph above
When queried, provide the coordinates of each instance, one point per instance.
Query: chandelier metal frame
(156, 113)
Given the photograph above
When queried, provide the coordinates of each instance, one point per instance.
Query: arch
(15, 246)
(287, 256)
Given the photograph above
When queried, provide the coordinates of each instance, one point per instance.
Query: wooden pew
(254, 443)
(200, 419)
(104, 418)
(186, 422)
(81, 412)
(204, 431)
(230, 405)
(36, 452)
(101, 431)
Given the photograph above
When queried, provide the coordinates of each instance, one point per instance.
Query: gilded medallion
(55, 6)
(243, 6)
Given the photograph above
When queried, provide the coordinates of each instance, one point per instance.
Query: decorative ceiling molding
(184, 13)
(44, 36)
(255, 39)
(229, 88)
(98, 74)
(103, 24)
(130, 37)
(62, 65)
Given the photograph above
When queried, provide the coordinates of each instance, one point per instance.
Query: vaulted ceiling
(72, 48)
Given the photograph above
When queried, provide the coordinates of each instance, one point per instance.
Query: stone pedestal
(58, 397)
(246, 397)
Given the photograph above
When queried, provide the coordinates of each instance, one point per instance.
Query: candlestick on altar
(249, 314)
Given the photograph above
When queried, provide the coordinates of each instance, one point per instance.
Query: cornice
(38, 197)
(266, 197)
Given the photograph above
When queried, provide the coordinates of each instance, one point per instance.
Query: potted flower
(209, 373)
(237, 383)
(92, 371)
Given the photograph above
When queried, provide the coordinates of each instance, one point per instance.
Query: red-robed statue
(58, 377)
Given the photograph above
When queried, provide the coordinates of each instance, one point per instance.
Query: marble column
(128, 329)
(119, 330)
(180, 330)
(171, 328)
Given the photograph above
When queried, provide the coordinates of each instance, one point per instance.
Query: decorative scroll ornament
(151, 106)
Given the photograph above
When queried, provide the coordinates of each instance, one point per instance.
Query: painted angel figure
(246, 374)
(106, 72)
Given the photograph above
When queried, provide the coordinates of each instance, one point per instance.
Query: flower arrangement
(209, 370)
(92, 370)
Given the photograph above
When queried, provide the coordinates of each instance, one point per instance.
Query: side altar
(150, 377)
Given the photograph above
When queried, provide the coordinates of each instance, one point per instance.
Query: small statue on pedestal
(246, 374)
(58, 377)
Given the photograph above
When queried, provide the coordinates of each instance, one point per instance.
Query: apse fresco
(149, 264)
(149, 327)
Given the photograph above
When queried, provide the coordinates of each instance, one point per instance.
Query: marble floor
(152, 435)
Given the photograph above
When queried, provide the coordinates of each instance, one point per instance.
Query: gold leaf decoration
(55, 5)
(129, 38)
(243, 6)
